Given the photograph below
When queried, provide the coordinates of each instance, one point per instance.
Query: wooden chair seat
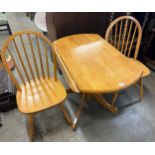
(146, 70)
(42, 94)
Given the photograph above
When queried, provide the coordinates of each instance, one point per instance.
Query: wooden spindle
(46, 55)
(40, 57)
(120, 35)
(16, 66)
(33, 55)
(116, 27)
(132, 41)
(55, 64)
(127, 42)
(124, 35)
(20, 58)
(111, 37)
(25, 52)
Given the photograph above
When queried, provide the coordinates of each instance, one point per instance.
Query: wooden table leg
(104, 103)
(31, 127)
(67, 117)
(78, 112)
(84, 96)
(114, 97)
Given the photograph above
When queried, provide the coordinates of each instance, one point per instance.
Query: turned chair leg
(141, 88)
(31, 129)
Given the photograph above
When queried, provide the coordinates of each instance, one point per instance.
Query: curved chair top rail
(30, 54)
(122, 33)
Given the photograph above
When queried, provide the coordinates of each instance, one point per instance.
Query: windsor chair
(37, 85)
(125, 34)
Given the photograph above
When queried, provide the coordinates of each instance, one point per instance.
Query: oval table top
(94, 65)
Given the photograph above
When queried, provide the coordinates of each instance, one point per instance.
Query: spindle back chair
(125, 34)
(37, 85)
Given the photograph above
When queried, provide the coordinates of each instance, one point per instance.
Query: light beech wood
(130, 41)
(120, 35)
(47, 63)
(133, 35)
(68, 119)
(92, 66)
(140, 65)
(124, 36)
(127, 42)
(116, 27)
(18, 71)
(66, 74)
(33, 55)
(78, 112)
(39, 95)
(131, 44)
(103, 102)
(39, 53)
(41, 91)
(20, 58)
(26, 55)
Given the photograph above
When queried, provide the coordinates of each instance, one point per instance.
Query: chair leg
(82, 103)
(114, 97)
(141, 88)
(31, 130)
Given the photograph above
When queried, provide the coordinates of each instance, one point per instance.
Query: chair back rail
(125, 34)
